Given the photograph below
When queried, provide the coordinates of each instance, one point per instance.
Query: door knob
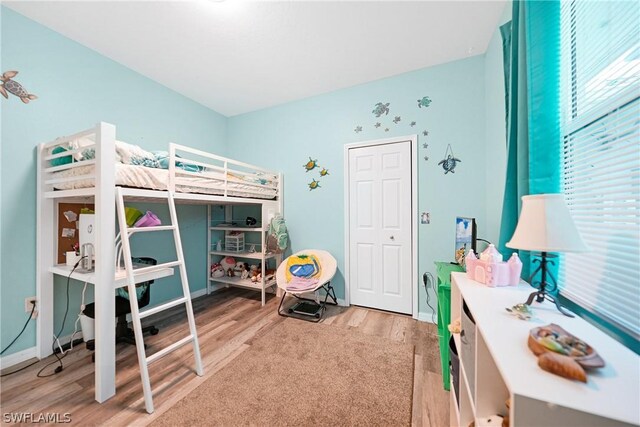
(392, 238)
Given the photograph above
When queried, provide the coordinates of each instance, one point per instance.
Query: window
(600, 81)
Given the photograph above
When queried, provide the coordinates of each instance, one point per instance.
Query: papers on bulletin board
(71, 216)
(68, 232)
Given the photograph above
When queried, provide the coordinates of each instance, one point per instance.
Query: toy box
(490, 270)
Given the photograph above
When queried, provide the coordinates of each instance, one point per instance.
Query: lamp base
(545, 289)
(540, 296)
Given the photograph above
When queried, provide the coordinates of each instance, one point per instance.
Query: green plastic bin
(443, 274)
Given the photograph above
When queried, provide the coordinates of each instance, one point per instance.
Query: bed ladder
(137, 315)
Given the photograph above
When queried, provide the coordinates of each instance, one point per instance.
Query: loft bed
(73, 164)
(89, 166)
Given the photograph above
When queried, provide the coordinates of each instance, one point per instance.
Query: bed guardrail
(70, 158)
(215, 167)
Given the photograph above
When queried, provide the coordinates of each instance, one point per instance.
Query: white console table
(498, 365)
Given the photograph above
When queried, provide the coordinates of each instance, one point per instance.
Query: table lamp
(545, 225)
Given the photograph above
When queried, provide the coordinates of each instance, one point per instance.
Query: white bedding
(157, 179)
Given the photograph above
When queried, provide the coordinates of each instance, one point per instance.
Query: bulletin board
(66, 237)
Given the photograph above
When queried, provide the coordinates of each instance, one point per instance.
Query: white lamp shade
(545, 225)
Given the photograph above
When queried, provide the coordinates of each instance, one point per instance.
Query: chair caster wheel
(154, 331)
(290, 311)
(317, 315)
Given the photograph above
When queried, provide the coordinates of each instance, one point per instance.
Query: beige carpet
(306, 374)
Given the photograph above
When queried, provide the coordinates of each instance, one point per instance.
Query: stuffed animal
(270, 274)
(256, 273)
(230, 272)
(244, 271)
(217, 270)
(455, 327)
(227, 263)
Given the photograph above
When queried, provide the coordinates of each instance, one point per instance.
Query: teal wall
(77, 88)
(283, 138)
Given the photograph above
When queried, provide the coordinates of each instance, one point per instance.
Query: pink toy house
(491, 270)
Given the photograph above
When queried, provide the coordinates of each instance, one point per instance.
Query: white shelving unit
(497, 365)
(268, 211)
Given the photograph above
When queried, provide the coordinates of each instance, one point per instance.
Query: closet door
(380, 227)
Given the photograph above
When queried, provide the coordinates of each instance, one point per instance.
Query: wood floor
(227, 322)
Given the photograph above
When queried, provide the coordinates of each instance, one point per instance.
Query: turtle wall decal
(450, 161)
(313, 184)
(14, 88)
(311, 164)
(424, 102)
(381, 109)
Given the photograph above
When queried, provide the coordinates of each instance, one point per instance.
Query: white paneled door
(380, 257)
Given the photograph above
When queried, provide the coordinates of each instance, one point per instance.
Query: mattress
(156, 179)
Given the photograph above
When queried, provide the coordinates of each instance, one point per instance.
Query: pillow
(87, 153)
(64, 160)
(129, 154)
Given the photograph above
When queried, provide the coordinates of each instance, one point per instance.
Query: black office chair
(123, 307)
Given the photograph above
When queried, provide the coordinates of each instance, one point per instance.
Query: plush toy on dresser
(491, 270)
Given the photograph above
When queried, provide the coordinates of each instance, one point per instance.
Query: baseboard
(342, 302)
(29, 353)
(67, 339)
(199, 293)
(17, 357)
(425, 317)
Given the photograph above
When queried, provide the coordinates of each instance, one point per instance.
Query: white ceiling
(237, 56)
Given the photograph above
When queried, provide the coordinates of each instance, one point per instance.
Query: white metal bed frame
(104, 277)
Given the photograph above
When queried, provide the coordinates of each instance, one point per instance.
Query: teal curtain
(533, 111)
(505, 32)
(517, 179)
(543, 59)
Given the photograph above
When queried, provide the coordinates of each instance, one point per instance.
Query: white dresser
(496, 364)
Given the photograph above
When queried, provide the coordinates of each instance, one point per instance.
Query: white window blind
(600, 68)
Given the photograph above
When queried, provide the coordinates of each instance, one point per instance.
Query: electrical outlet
(27, 304)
